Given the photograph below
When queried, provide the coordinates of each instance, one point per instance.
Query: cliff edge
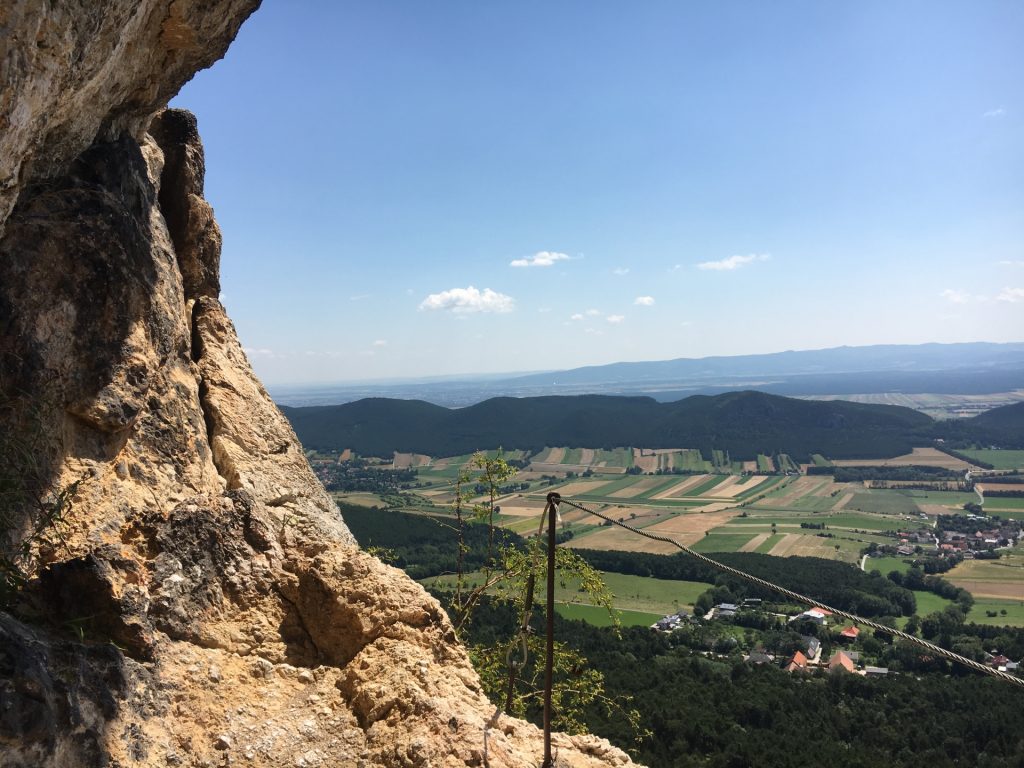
(202, 602)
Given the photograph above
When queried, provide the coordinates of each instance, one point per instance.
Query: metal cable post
(549, 661)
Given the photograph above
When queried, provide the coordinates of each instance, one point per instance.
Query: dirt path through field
(843, 501)
(675, 491)
(785, 544)
(755, 542)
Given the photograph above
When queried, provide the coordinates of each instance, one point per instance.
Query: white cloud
(675, 268)
(543, 310)
(644, 301)
(997, 112)
(955, 297)
(466, 300)
(380, 343)
(577, 316)
(620, 271)
(593, 312)
(540, 259)
(259, 352)
(359, 297)
(615, 319)
(1012, 295)
(593, 332)
(1003, 263)
(733, 262)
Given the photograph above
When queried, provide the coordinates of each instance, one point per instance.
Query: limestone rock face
(204, 604)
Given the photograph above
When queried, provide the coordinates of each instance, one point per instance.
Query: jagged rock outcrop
(204, 603)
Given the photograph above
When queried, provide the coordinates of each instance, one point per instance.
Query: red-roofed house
(797, 664)
(850, 633)
(840, 662)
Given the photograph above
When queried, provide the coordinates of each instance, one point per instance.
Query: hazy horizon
(411, 191)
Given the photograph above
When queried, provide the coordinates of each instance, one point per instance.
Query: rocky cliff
(201, 602)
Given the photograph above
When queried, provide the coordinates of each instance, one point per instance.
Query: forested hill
(743, 423)
(1003, 427)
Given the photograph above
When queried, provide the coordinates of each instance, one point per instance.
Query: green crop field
(1014, 616)
(785, 463)
(996, 503)
(618, 457)
(883, 502)
(928, 602)
(886, 565)
(766, 545)
(707, 485)
(764, 463)
(599, 617)
(631, 593)
(722, 542)
(572, 456)
(998, 459)
(820, 461)
(691, 461)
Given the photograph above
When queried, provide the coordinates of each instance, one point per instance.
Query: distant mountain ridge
(833, 360)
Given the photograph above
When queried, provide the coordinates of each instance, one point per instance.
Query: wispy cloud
(644, 301)
(380, 343)
(1011, 263)
(615, 319)
(359, 297)
(1012, 295)
(540, 259)
(997, 112)
(260, 352)
(577, 316)
(467, 300)
(593, 312)
(955, 297)
(620, 271)
(733, 262)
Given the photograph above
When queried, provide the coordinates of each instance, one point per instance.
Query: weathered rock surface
(205, 604)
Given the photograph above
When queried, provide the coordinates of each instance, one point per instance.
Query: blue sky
(413, 189)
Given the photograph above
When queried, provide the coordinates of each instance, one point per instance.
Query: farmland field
(923, 457)
(1013, 616)
(998, 459)
(631, 593)
(599, 617)
(1002, 578)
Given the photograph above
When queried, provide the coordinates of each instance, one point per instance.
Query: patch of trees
(421, 545)
(1003, 494)
(914, 472)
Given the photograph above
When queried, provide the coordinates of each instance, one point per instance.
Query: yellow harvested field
(622, 540)
(522, 510)
(725, 489)
(640, 486)
(646, 459)
(986, 487)
(755, 542)
(679, 489)
(346, 455)
(407, 460)
(1004, 589)
(587, 456)
(924, 457)
(798, 488)
(577, 487)
(826, 489)
(939, 509)
(691, 527)
(750, 466)
(555, 457)
(805, 546)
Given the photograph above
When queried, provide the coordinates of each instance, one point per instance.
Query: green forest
(744, 424)
(701, 704)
